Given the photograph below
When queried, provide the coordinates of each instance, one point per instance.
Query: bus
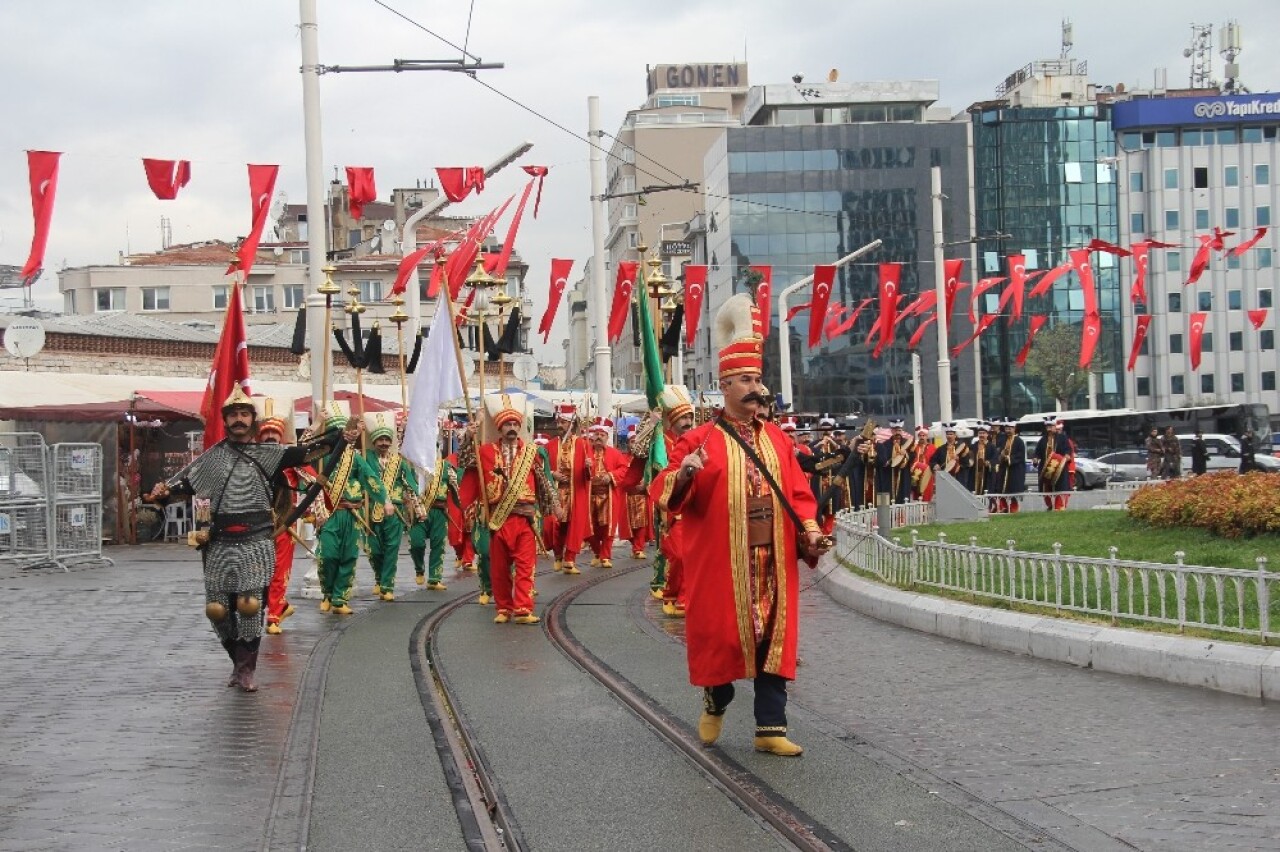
(1097, 432)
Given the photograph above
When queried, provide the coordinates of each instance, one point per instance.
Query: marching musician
(1053, 458)
(389, 519)
(952, 456)
(606, 467)
(636, 522)
(823, 464)
(893, 463)
(1009, 475)
(921, 471)
(982, 456)
(568, 454)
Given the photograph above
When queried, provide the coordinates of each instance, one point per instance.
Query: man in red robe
(742, 578)
(567, 453)
(273, 430)
(636, 523)
(607, 468)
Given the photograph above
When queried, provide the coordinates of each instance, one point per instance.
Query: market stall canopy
(95, 412)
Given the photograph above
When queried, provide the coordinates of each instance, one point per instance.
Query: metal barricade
(76, 511)
(24, 503)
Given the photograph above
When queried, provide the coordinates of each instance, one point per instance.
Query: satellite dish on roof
(389, 225)
(24, 337)
(524, 367)
(375, 243)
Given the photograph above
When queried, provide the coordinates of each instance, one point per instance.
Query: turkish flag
(795, 309)
(1043, 285)
(764, 297)
(890, 278)
(360, 189)
(1084, 268)
(1141, 323)
(504, 256)
(1017, 284)
(921, 304)
(166, 177)
(847, 324)
(540, 172)
(978, 289)
(460, 263)
(1089, 338)
(230, 368)
(983, 325)
(1249, 243)
(560, 269)
(622, 290)
(262, 183)
(42, 171)
(1110, 248)
(920, 330)
(951, 272)
(1138, 292)
(1200, 262)
(824, 275)
(834, 313)
(406, 267)
(457, 182)
(1257, 318)
(1198, 319)
(695, 287)
(1037, 322)
(1218, 241)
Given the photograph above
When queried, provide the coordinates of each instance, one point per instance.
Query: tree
(1055, 360)
(751, 279)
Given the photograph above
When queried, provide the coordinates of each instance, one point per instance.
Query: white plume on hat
(733, 320)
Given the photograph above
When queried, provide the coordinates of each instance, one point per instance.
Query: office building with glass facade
(816, 172)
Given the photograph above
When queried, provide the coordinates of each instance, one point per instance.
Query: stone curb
(1211, 664)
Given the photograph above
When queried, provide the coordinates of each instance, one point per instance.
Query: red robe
(574, 497)
(720, 645)
(616, 464)
(636, 524)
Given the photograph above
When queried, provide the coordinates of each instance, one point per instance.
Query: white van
(1224, 454)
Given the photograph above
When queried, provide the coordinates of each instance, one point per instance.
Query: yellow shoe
(637, 554)
(779, 745)
(570, 568)
(606, 563)
(558, 565)
(325, 605)
(437, 586)
(484, 599)
(274, 629)
(474, 567)
(388, 596)
(419, 579)
(709, 727)
(657, 594)
(528, 618)
(595, 563)
(343, 610)
(501, 618)
(288, 611)
(672, 609)
(377, 590)
(533, 593)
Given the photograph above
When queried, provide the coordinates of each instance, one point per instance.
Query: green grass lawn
(1091, 533)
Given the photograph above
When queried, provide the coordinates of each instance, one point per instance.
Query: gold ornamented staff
(400, 318)
(328, 288)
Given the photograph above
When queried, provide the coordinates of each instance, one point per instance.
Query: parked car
(1224, 454)
(1126, 465)
(1091, 473)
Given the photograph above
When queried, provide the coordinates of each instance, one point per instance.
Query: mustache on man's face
(754, 396)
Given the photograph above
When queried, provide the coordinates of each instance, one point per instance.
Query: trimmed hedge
(1226, 503)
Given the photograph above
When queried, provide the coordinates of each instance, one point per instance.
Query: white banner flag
(435, 382)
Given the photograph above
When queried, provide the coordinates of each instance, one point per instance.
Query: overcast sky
(217, 83)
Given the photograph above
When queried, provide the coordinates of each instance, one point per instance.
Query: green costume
(353, 486)
(386, 531)
(434, 528)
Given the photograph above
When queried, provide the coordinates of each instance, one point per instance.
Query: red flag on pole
(42, 172)
(695, 287)
(951, 272)
(230, 368)
(1037, 322)
(1249, 243)
(983, 325)
(921, 304)
(1200, 262)
(457, 182)
(1138, 292)
(1043, 285)
(166, 177)
(560, 269)
(504, 256)
(919, 335)
(262, 183)
(1089, 342)
(978, 289)
(847, 324)
(1257, 318)
(540, 172)
(1110, 248)
(622, 290)
(823, 277)
(764, 297)
(834, 313)
(1141, 323)
(1084, 268)
(890, 278)
(406, 267)
(795, 309)
(1016, 287)
(360, 189)
(1198, 320)
(458, 266)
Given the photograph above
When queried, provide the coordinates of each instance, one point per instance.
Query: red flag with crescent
(951, 272)
(978, 289)
(360, 189)
(1084, 268)
(1249, 243)
(1198, 319)
(1043, 285)
(824, 275)
(890, 281)
(695, 287)
(1016, 286)
(230, 368)
(540, 172)
(42, 171)
(1258, 318)
(1037, 322)
(983, 325)
(921, 304)
(262, 183)
(560, 269)
(1141, 257)
(1141, 323)
(166, 177)
(764, 297)
(460, 263)
(1091, 330)
(1200, 262)
(622, 290)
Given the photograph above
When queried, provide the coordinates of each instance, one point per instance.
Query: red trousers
(640, 537)
(673, 591)
(601, 542)
(276, 603)
(513, 551)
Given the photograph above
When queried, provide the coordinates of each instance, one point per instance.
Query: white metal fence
(1221, 599)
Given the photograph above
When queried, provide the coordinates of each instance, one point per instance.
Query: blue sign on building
(1176, 112)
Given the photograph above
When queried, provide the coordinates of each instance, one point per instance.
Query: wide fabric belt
(598, 489)
(240, 526)
(759, 521)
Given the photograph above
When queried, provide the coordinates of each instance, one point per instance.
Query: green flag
(653, 384)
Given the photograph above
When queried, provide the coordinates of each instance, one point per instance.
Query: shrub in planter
(1226, 503)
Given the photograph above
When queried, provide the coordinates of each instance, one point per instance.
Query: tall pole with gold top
(329, 290)
(399, 317)
(657, 286)
(354, 309)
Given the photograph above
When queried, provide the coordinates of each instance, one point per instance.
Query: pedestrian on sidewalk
(235, 474)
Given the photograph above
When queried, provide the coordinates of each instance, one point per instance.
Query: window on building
(633, 239)
(220, 297)
(1261, 174)
(1031, 258)
(1173, 263)
(299, 256)
(677, 100)
(1137, 223)
(1269, 380)
(1233, 261)
(1105, 173)
(1204, 300)
(108, 299)
(1190, 138)
(1206, 342)
(1237, 382)
(370, 290)
(1234, 300)
(1176, 385)
(1170, 178)
(1166, 139)
(1175, 344)
(1202, 218)
(1251, 134)
(294, 297)
(1144, 386)
(991, 261)
(1200, 175)
(1232, 217)
(1264, 297)
(1175, 303)
(1073, 174)
(1262, 216)
(1230, 177)
(69, 302)
(155, 298)
(1266, 340)
(1264, 257)
(1206, 383)
(264, 300)
(1135, 181)
(1227, 136)
(1171, 220)
(628, 155)
(1235, 341)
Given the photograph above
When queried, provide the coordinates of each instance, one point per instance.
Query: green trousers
(339, 545)
(480, 538)
(429, 533)
(384, 550)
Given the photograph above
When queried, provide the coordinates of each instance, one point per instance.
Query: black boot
(248, 652)
(230, 647)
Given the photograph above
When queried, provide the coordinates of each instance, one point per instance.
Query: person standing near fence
(1199, 454)
(1009, 478)
(1053, 457)
(239, 554)
(1170, 455)
(1155, 454)
(1247, 449)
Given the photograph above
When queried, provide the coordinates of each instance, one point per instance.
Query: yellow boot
(502, 617)
(558, 565)
(343, 610)
(778, 745)
(419, 579)
(436, 586)
(325, 605)
(709, 727)
(484, 599)
(388, 596)
(526, 618)
(570, 568)
(274, 629)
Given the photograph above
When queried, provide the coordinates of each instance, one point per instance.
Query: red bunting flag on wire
(695, 287)
(166, 177)
(1037, 322)
(559, 281)
(1141, 323)
(764, 297)
(360, 189)
(262, 183)
(42, 174)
